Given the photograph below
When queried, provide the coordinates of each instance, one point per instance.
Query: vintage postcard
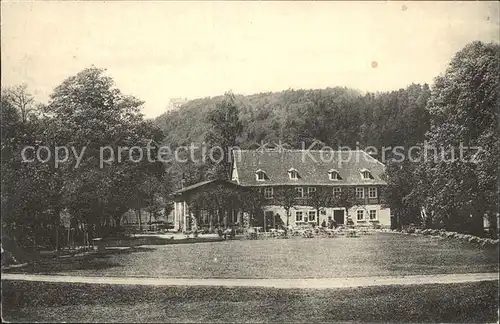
(270, 162)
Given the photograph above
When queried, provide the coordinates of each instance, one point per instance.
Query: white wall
(383, 214)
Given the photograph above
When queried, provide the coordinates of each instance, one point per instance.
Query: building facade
(306, 171)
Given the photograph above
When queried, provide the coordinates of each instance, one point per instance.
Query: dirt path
(320, 283)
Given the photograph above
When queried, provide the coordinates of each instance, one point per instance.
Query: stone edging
(452, 235)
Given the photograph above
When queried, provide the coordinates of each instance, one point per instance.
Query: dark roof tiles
(312, 167)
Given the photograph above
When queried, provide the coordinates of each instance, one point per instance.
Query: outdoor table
(100, 243)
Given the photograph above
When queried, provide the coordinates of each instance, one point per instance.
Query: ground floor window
(298, 216)
(373, 214)
(312, 215)
(360, 214)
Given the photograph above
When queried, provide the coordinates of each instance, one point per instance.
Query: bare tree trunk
(69, 234)
(57, 238)
(139, 217)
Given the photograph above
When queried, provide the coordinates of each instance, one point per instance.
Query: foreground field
(380, 254)
(55, 302)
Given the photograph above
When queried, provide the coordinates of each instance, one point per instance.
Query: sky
(158, 51)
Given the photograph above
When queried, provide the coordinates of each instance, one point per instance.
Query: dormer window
(293, 174)
(366, 174)
(334, 174)
(261, 175)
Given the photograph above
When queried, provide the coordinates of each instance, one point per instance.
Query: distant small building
(176, 103)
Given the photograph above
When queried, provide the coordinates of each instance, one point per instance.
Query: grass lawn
(55, 302)
(380, 254)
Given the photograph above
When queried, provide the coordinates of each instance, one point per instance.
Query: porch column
(186, 215)
(176, 221)
(179, 215)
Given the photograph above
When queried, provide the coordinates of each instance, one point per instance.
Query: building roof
(203, 183)
(312, 167)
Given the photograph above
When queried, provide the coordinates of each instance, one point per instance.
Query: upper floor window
(300, 192)
(334, 174)
(366, 174)
(372, 192)
(310, 190)
(360, 192)
(268, 192)
(293, 174)
(260, 175)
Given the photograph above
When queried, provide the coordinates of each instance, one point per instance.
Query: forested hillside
(88, 116)
(451, 188)
(334, 116)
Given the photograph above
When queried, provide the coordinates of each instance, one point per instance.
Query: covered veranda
(210, 204)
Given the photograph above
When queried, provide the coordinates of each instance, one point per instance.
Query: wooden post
(69, 232)
(186, 217)
(57, 238)
(139, 216)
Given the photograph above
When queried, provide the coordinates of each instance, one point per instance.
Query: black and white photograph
(250, 161)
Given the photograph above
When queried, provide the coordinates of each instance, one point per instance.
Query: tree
(20, 98)
(285, 197)
(94, 116)
(463, 110)
(151, 194)
(226, 127)
(346, 199)
(401, 178)
(29, 189)
(252, 202)
(320, 199)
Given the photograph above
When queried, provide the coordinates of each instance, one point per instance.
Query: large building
(303, 172)
(306, 171)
